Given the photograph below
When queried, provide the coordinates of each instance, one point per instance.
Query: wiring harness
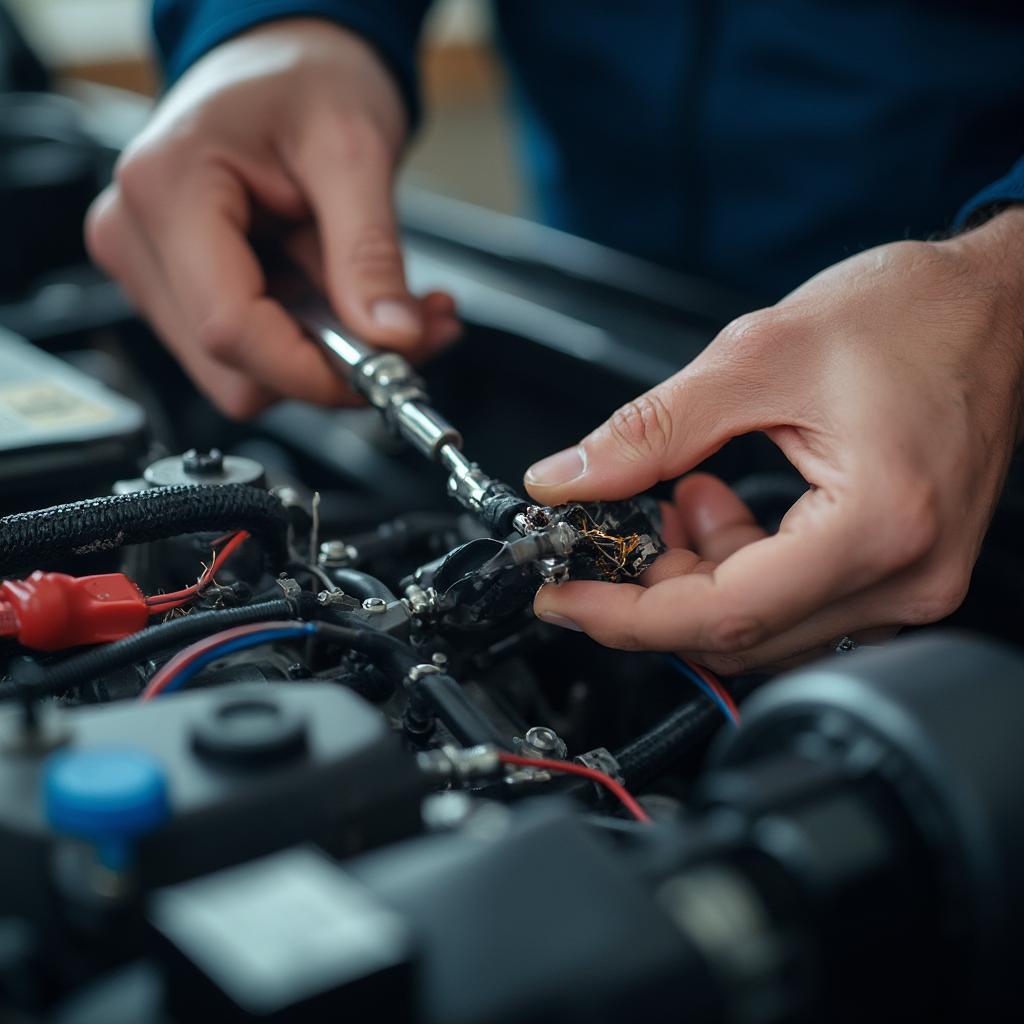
(31, 539)
(333, 614)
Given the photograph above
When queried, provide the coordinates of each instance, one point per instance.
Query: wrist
(330, 61)
(993, 256)
(995, 250)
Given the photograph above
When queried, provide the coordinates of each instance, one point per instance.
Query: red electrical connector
(50, 611)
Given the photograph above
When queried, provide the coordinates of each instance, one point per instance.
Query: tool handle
(385, 379)
(345, 350)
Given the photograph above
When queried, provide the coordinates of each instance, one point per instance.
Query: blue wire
(683, 669)
(239, 643)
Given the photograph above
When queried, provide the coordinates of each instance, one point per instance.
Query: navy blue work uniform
(749, 141)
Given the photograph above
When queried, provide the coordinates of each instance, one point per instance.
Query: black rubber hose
(656, 751)
(360, 584)
(51, 680)
(29, 539)
(385, 651)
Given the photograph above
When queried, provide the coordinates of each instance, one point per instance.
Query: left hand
(894, 383)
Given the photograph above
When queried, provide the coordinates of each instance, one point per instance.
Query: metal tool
(390, 384)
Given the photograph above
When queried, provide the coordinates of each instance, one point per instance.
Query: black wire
(397, 657)
(53, 679)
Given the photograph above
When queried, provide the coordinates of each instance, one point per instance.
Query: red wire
(189, 654)
(571, 768)
(718, 686)
(165, 602)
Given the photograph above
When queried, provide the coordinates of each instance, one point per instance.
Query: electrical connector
(50, 611)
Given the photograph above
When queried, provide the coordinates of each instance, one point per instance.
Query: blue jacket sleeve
(186, 29)
(1008, 189)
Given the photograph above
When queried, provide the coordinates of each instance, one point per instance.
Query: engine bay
(268, 755)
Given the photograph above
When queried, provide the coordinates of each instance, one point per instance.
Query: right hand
(292, 122)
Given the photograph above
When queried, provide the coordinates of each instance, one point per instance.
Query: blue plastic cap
(105, 795)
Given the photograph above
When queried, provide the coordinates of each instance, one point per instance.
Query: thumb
(363, 267)
(658, 436)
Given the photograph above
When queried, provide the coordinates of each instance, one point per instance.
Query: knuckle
(938, 596)
(139, 173)
(238, 402)
(734, 634)
(749, 329)
(642, 427)
(236, 407)
(221, 338)
(105, 233)
(376, 253)
(348, 137)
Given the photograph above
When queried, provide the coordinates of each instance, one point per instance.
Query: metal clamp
(603, 760)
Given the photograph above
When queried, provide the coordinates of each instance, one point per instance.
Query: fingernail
(394, 315)
(554, 619)
(561, 468)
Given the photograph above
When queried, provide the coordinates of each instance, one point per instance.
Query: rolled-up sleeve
(1008, 189)
(186, 29)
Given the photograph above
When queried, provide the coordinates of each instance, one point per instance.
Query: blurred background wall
(464, 149)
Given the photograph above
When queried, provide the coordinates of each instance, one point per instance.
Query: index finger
(218, 282)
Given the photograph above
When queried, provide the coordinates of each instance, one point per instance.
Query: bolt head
(333, 552)
(540, 737)
(375, 605)
(196, 462)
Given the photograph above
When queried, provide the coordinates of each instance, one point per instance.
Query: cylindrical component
(250, 730)
(387, 380)
(556, 542)
(204, 467)
(107, 796)
(937, 719)
(335, 553)
(455, 462)
(426, 430)
(540, 741)
(466, 483)
(343, 349)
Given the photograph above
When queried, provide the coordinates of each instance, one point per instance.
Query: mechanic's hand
(893, 383)
(292, 121)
